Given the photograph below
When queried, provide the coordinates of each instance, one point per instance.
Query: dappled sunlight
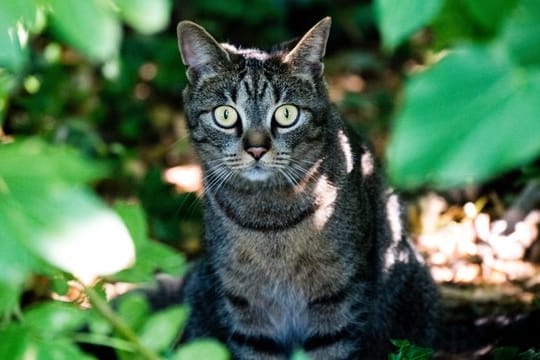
(326, 196)
(186, 178)
(474, 256)
(345, 146)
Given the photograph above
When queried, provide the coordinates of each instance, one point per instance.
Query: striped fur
(304, 248)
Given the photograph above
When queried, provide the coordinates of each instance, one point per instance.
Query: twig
(123, 329)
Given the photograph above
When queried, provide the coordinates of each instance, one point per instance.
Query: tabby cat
(304, 247)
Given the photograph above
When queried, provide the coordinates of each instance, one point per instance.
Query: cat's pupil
(286, 113)
(226, 114)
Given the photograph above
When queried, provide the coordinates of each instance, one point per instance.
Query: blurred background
(447, 91)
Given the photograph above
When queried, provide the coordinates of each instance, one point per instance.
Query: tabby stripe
(271, 227)
(319, 341)
(262, 344)
(237, 301)
(332, 299)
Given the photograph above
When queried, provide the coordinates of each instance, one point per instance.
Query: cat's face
(255, 118)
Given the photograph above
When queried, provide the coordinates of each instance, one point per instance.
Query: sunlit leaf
(168, 324)
(202, 349)
(471, 116)
(147, 17)
(59, 349)
(54, 318)
(89, 26)
(398, 19)
(48, 212)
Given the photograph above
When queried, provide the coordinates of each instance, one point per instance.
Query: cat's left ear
(307, 56)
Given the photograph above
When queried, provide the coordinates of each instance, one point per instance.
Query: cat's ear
(200, 52)
(307, 56)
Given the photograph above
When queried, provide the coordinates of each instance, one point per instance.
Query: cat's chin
(256, 174)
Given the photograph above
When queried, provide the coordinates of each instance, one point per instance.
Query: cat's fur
(304, 246)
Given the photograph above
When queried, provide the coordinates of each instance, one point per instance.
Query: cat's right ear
(200, 52)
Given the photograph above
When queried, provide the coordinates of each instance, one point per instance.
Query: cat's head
(256, 118)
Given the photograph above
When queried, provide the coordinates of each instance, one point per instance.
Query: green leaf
(55, 318)
(89, 26)
(146, 17)
(408, 351)
(134, 309)
(399, 19)
(490, 14)
(14, 55)
(299, 355)
(135, 219)
(202, 350)
(59, 349)
(14, 342)
(157, 258)
(168, 324)
(47, 212)
(522, 35)
(470, 117)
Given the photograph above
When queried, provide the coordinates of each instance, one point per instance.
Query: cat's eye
(225, 116)
(286, 115)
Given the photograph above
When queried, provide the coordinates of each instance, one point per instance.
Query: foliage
(55, 229)
(471, 115)
(408, 351)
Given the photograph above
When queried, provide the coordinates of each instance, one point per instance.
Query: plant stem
(123, 329)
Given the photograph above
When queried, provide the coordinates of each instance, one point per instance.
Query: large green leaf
(400, 18)
(471, 116)
(147, 17)
(48, 212)
(89, 26)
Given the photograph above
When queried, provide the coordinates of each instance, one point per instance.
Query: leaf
(47, 212)
(135, 219)
(147, 17)
(398, 19)
(408, 351)
(55, 318)
(89, 26)
(134, 309)
(16, 17)
(201, 350)
(490, 14)
(14, 342)
(157, 258)
(472, 116)
(59, 349)
(522, 35)
(299, 355)
(168, 324)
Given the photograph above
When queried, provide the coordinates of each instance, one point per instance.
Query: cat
(305, 248)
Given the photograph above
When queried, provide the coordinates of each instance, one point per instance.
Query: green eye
(286, 115)
(225, 116)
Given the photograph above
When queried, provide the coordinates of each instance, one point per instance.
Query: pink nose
(257, 152)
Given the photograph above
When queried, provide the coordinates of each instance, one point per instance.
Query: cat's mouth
(257, 172)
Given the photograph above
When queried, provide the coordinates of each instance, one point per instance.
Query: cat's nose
(256, 152)
(257, 143)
